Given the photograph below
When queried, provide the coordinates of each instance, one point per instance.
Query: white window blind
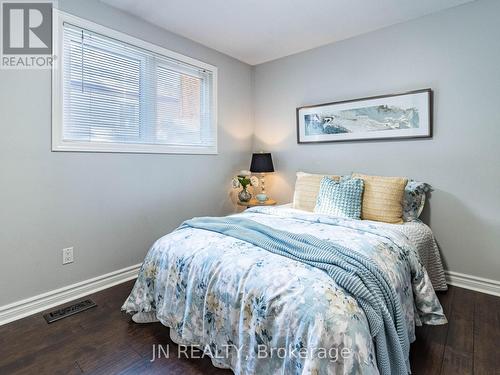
(121, 97)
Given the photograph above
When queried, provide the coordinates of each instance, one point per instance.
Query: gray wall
(457, 54)
(110, 207)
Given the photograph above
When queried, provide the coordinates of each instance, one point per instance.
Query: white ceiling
(256, 31)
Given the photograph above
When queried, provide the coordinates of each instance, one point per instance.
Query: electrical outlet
(67, 255)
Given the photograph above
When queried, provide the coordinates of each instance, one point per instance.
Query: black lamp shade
(262, 163)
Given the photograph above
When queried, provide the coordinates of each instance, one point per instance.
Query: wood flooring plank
(459, 352)
(50, 360)
(111, 361)
(37, 344)
(486, 334)
(176, 366)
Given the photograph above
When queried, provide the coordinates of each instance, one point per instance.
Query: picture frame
(394, 116)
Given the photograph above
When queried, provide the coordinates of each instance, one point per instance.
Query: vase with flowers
(244, 179)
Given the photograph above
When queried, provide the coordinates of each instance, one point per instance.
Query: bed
(259, 312)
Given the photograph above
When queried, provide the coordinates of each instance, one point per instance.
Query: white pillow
(307, 189)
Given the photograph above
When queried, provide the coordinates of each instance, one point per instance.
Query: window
(115, 93)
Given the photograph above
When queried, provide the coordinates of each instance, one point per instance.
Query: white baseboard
(41, 302)
(479, 284)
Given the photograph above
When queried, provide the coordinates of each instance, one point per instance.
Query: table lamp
(262, 163)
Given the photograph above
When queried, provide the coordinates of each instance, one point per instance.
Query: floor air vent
(53, 316)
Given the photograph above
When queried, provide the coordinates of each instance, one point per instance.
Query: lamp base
(263, 187)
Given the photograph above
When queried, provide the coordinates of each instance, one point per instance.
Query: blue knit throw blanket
(357, 274)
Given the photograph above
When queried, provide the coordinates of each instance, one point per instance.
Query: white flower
(244, 172)
(254, 181)
(235, 183)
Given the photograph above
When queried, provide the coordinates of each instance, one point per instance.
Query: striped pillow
(340, 198)
(306, 190)
(382, 198)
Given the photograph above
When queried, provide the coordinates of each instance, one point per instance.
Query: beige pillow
(382, 198)
(307, 189)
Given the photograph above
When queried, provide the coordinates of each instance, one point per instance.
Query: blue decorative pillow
(414, 199)
(340, 198)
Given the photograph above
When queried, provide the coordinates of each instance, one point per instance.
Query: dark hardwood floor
(103, 340)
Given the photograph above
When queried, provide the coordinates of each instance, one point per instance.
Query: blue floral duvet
(262, 313)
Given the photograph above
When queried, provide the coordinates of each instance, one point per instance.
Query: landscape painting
(391, 116)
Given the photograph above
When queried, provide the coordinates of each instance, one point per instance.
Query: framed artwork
(405, 115)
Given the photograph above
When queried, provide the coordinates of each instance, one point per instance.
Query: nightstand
(255, 202)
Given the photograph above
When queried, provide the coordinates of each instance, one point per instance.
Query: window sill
(132, 148)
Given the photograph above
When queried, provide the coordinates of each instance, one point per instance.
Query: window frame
(59, 144)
